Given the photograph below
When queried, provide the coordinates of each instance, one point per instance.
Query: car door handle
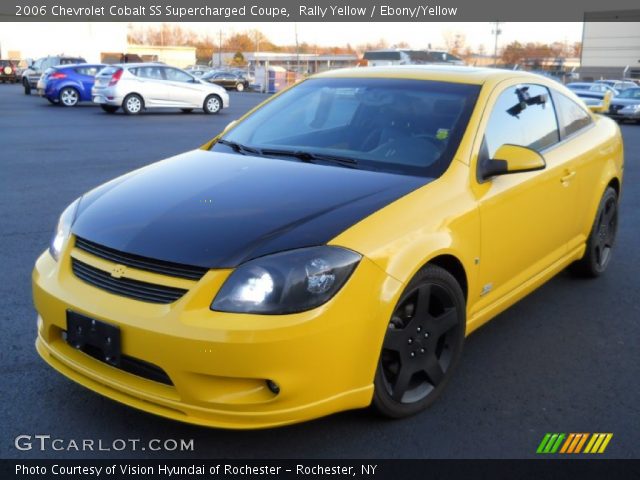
(568, 177)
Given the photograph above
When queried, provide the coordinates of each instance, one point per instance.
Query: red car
(8, 71)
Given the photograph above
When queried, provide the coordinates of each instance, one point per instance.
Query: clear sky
(418, 35)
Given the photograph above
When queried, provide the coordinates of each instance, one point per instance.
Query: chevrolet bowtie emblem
(118, 271)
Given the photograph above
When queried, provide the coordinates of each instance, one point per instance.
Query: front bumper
(323, 360)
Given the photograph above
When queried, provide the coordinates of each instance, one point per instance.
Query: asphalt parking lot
(565, 359)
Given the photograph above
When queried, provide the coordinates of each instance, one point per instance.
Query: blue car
(68, 85)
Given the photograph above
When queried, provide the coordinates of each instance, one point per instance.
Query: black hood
(217, 210)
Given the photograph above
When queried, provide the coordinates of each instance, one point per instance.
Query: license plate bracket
(98, 339)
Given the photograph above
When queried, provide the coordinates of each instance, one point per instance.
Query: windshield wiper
(310, 157)
(239, 148)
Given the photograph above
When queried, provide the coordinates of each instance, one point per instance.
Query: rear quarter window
(572, 117)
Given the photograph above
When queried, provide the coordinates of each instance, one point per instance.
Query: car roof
(140, 64)
(74, 65)
(444, 73)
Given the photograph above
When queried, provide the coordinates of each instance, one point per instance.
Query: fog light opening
(273, 387)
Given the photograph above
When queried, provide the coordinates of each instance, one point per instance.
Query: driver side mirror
(512, 159)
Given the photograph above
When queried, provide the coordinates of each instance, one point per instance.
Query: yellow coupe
(331, 249)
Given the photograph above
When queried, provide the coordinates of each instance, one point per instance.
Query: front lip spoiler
(175, 410)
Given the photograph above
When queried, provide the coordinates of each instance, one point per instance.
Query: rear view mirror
(512, 159)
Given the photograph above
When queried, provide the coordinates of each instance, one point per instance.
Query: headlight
(61, 234)
(287, 282)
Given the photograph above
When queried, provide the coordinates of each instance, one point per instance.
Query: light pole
(220, 49)
(295, 26)
(496, 31)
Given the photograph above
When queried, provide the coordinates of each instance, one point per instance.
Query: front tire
(69, 97)
(422, 345)
(240, 87)
(132, 104)
(601, 239)
(212, 104)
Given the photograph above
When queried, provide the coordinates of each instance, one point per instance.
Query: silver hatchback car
(137, 86)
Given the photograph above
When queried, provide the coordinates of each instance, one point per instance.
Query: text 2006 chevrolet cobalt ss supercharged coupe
(331, 249)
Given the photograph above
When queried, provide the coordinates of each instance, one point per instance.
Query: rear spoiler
(604, 105)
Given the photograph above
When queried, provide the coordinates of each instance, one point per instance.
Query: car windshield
(410, 127)
(630, 93)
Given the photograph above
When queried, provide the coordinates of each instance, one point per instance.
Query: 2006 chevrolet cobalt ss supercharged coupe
(331, 249)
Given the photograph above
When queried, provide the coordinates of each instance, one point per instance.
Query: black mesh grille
(143, 263)
(146, 292)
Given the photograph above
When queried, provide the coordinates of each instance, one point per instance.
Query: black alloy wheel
(422, 344)
(602, 238)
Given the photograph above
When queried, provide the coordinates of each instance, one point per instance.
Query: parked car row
(232, 79)
(624, 97)
(133, 87)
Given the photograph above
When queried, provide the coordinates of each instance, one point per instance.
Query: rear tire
(27, 86)
(69, 97)
(422, 345)
(109, 108)
(212, 104)
(601, 239)
(132, 104)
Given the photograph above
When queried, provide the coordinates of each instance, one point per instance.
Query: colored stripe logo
(574, 443)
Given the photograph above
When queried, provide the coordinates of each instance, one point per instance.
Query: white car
(138, 86)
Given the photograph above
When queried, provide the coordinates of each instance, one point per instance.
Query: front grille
(142, 263)
(146, 292)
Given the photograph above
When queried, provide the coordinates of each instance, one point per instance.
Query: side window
(153, 73)
(571, 115)
(88, 71)
(523, 115)
(176, 75)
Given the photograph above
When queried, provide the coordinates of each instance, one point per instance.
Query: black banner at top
(316, 10)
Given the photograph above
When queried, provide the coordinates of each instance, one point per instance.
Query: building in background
(302, 63)
(611, 48)
(171, 55)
